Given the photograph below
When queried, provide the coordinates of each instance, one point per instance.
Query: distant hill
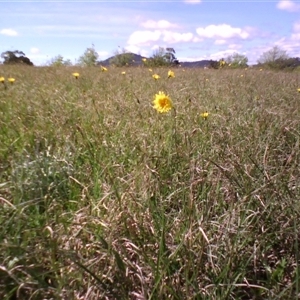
(195, 64)
(137, 61)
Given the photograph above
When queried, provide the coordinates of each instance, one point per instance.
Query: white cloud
(235, 46)
(296, 27)
(220, 42)
(288, 5)
(220, 54)
(296, 32)
(196, 39)
(161, 24)
(9, 32)
(222, 31)
(214, 56)
(155, 47)
(137, 50)
(175, 37)
(192, 1)
(103, 54)
(291, 47)
(34, 50)
(144, 37)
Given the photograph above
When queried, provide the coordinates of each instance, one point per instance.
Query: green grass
(104, 198)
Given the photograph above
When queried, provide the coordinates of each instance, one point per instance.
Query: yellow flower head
(103, 69)
(123, 73)
(260, 69)
(76, 75)
(2, 79)
(144, 59)
(298, 90)
(162, 103)
(171, 74)
(11, 80)
(150, 70)
(204, 115)
(155, 76)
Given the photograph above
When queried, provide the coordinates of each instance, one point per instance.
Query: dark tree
(15, 57)
(170, 57)
(214, 64)
(163, 57)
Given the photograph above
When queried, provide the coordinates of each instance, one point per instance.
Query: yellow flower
(204, 115)
(260, 69)
(103, 69)
(150, 70)
(155, 76)
(2, 79)
(162, 103)
(298, 90)
(242, 75)
(206, 79)
(76, 75)
(123, 73)
(144, 59)
(171, 74)
(11, 80)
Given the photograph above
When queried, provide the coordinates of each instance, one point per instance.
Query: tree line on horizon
(275, 58)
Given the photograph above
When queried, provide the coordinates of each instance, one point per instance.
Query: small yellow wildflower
(204, 115)
(144, 59)
(150, 70)
(103, 69)
(76, 75)
(260, 69)
(123, 73)
(155, 76)
(2, 79)
(206, 79)
(298, 90)
(171, 74)
(162, 103)
(242, 75)
(11, 80)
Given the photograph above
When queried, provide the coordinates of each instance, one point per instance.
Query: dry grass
(104, 198)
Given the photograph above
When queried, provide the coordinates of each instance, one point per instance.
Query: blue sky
(195, 29)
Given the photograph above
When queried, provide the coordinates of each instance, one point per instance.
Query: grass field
(102, 197)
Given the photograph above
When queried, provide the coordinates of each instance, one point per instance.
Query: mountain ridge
(137, 60)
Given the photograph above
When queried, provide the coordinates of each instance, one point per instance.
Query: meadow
(103, 197)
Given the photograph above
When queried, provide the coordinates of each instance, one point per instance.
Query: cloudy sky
(196, 29)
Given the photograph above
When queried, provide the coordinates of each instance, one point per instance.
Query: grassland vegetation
(103, 197)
